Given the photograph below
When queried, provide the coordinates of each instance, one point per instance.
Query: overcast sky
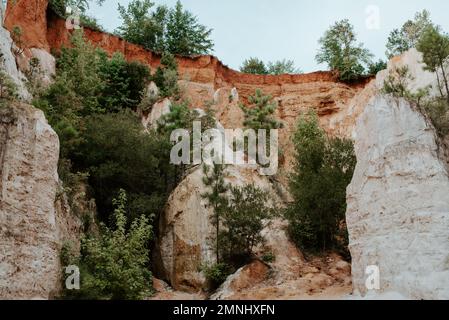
(273, 30)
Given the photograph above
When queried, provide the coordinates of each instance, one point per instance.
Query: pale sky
(273, 30)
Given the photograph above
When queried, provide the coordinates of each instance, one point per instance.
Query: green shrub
(254, 66)
(438, 111)
(247, 214)
(396, 84)
(125, 83)
(91, 23)
(117, 154)
(115, 264)
(268, 257)
(59, 6)
(8, 88)
(166, 77)
(216, 274)
(260, 113)
(375, 67)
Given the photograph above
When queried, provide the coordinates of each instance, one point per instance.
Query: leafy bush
(125, 83)
(91, 23)
(340, 50)
(119, 155)
(216, 274)
(246, 215)
(166, 77)
(8, 88)
(396, 84)
(254, 66)
(115, 264)
(323, 170)
(438, 111)
(59, 6)
(376, 67)
(88, 83)
(75, 92)
(283, 67)
(268, 257)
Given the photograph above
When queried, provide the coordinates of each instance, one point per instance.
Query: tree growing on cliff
(124, 83)
(216, 197)
(253, 66)
(246, 215)
(283, 67)
(8, 88)
(117, 154)
(323, 169)
(260, 112)
(185, 35)
(143, 27)
(401, 40)
(166, 77)
(257, 66)
(171, 30)
(341, 52)
(434, 45)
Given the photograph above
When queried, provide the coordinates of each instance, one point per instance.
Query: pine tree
(214, 180)
(185, 36)
(245, 218)
(259, 114)
(253, 66)
(434, 46)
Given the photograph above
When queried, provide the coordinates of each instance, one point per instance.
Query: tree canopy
(162, 29)
(341, 51)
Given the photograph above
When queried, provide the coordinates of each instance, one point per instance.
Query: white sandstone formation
(398, 204)
(8, 64)
(32, 231)
(47, 64)
(158, 110)
(185, 240)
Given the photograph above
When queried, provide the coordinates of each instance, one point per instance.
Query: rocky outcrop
(8, 64)
(398, 208)
(185, 241)
(32, 231)
(321, 278)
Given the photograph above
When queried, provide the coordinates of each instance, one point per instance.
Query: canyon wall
(35, 219)
(398, 209)
(205, 79)
(398, 205)
(32, 230)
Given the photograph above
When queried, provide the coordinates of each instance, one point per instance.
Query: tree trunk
(445, 81)
(439, 84)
